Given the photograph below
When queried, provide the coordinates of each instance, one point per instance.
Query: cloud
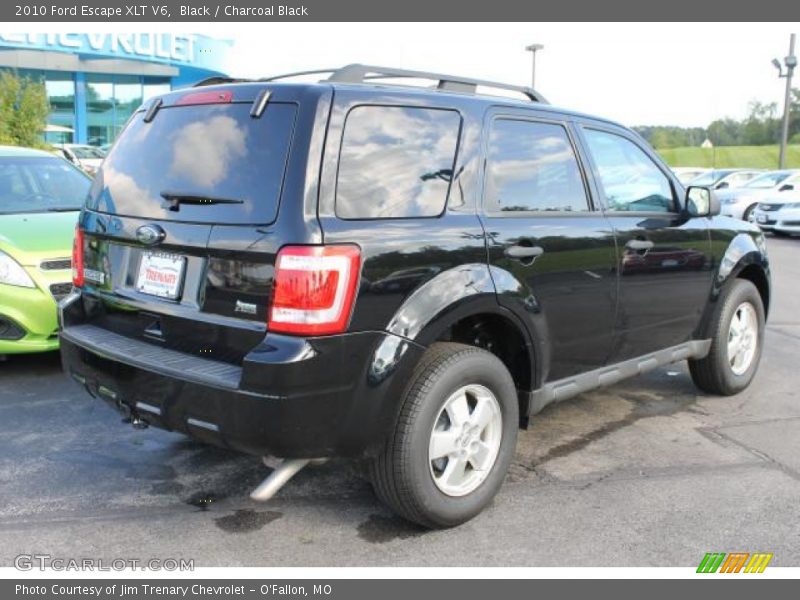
(204, 151)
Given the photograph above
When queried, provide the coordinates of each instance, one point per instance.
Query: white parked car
(740, 202)
(781, 216)
(88, 158)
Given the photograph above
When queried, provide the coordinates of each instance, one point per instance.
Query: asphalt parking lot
(646, 473)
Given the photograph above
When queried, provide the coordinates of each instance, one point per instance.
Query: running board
(556, 391)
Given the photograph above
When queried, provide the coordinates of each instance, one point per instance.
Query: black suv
(403, 274)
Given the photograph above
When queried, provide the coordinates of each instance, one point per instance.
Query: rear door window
(201, 163)
(396, 162)
(532, 168)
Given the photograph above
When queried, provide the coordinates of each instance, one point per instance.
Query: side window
(631, 180)
(396, 162)
(532, 167)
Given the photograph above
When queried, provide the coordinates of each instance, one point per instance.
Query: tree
(23, 110)
(761, 127)
(725, 132)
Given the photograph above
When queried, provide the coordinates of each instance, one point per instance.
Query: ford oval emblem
(150, 234)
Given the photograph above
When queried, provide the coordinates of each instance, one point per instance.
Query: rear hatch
(179, 237)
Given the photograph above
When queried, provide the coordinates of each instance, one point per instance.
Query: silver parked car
(740, 202)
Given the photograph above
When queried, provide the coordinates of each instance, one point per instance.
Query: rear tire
(454, 439)
(737, 338)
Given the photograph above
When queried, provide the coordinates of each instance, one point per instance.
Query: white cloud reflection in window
(396, 162)
(532, 167)
(203, 151)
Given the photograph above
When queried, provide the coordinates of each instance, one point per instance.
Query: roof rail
(298, 74)
(357, 73)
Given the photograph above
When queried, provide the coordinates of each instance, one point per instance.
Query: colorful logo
(735, 562)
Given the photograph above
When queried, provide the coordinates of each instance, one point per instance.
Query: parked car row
(771, 199)
(718, 179)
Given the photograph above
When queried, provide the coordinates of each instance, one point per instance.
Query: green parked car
(40, 196)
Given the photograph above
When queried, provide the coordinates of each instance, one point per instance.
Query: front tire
(737, 339)
(454, 439)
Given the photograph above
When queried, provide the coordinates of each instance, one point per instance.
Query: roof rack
(357, 73)
(298, 74)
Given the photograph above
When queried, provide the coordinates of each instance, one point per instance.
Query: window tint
(630, 179)
(396, 162)
(532, 167)
(198, 153)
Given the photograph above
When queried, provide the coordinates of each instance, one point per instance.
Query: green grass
(755, 157)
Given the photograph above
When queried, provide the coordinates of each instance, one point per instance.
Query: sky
(634, 73)
(638, 74)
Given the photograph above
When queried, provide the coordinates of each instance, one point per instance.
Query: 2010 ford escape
(355, 268)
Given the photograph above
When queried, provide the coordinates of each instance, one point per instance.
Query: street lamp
(533, 48)
(790, 62)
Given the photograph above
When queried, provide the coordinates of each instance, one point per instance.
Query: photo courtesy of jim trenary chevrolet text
(342, 299)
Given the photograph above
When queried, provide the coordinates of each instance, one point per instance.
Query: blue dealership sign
(194, 50)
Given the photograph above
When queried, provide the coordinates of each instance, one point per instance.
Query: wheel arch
(744, 258)
(460, 305)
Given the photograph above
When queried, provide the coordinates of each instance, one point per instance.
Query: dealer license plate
(762, 218)
(161, 275)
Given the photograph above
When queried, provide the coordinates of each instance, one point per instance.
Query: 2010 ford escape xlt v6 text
(404, 275)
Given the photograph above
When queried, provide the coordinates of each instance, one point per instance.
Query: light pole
(533, 49)
(791, 62)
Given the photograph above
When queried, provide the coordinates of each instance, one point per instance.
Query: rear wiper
(63, 209)
(175, 199)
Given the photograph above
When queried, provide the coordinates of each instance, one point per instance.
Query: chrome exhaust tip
(280, 476)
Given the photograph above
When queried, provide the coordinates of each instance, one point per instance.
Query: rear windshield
(205, 163)
(86, 152)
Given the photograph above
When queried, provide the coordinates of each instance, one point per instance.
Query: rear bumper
(291, 397)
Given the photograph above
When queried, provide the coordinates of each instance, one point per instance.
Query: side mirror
(786, 187)
(701, 202)
(722, 186)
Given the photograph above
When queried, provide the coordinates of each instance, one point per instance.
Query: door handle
(524, 252)
(639, 245)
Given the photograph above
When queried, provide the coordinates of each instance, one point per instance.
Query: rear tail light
(315, 288)
(77, 257)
